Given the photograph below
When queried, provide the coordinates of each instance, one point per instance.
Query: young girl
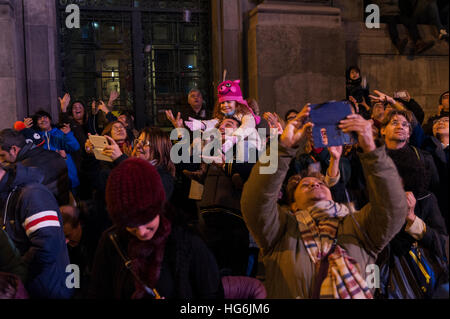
(230, 104)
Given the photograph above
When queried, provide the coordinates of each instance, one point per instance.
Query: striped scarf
(318, 227)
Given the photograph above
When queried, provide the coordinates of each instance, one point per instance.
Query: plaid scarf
(318, 227)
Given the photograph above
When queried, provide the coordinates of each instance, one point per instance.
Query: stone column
(296, 54)
(8, 64)
(227, 38)
(41, 55)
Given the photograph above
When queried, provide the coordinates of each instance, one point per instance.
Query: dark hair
(442, 97)
(72, 218)
(70, 108)
(41, 113)
(391, 113)
(289, 112)
(295, 180)
(349, 70)
(160, 146)
(10, 138)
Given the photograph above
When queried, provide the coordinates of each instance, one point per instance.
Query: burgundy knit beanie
(134, 193)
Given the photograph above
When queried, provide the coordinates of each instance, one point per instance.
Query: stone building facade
(287, 53)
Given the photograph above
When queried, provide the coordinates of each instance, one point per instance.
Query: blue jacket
(34, 224)
(56, 140)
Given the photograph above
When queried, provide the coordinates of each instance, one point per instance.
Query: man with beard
(424, 225)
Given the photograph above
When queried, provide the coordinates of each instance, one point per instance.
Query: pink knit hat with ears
(231, 91)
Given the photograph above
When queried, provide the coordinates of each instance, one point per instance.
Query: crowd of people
(138, 224)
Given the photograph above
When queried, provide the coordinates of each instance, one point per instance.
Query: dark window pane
(162, 33)
(189, 33)
(164, 61)
(188, 61)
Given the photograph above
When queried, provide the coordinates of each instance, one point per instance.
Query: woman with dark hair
(82, 123)
(145, 254)
(357, 91)
(154, 145)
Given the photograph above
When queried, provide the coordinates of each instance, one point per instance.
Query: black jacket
(188, 271)
(53, 167)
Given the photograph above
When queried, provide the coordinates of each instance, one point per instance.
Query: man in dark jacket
(15, 149)
(32, 220)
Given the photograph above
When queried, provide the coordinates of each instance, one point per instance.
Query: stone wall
(298, 53)
(8, 50)
(28, 55)
(295, 55)
(425, 76)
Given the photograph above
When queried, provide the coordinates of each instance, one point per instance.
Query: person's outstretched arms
(385, 214)
(260, 194)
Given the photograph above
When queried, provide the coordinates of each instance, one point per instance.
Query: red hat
(134, 193)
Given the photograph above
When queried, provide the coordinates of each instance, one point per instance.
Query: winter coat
(56, 140)
(53, 166)
(440, 157)
(290, 272)
(34, 224)
(188, 269)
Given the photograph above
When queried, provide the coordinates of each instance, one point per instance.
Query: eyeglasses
(118, 128)
(141, 143)
(441, 120)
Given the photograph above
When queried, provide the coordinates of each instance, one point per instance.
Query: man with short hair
(442, 112)
(32, 220)
(61, 141)
(424, 222)
(196, 108)
(15, 149)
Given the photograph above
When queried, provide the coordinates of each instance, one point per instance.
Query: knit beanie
(134, 193)
(31, 136)
(231, 91)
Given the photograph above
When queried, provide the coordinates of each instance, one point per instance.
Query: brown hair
(391, 113)
(160, 146)
(240, 109)
(108, 128)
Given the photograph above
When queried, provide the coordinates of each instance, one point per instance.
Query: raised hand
(64, 102)
(296, 130)
(382, 97)
(28, 121)
(112, 97)
(335, 151)
(112, 150)
(176, 122)
(103, 107)
(363, 128)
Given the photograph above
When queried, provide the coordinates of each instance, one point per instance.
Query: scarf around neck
(318, 226)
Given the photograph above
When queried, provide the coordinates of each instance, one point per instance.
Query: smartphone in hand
(99, 143)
